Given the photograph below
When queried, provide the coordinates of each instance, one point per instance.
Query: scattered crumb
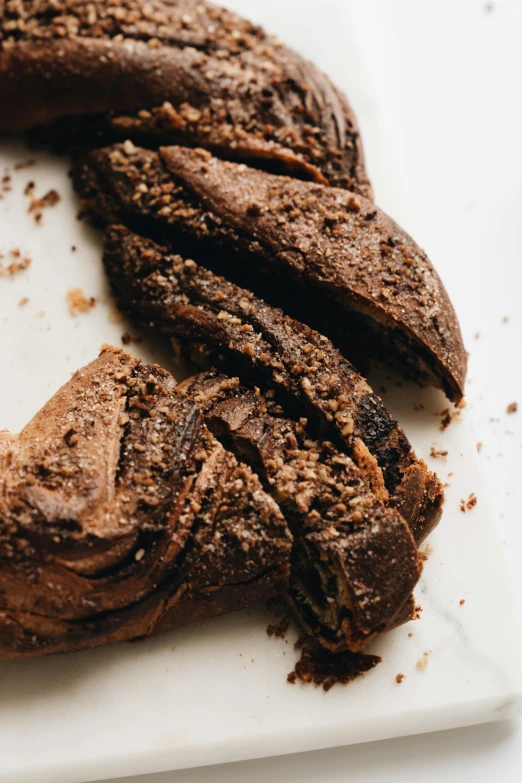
(418, 610)
(512, 407)
(462, 602)
(23, 301)
(426, 552)
(422, 662)
(78, 302)
(479, 446)
(447, 415)
(410, 634)
(467, 505)
(438, 454)
(505, 319)
(51, 198)
(16, 265)
(73, 248)
(399, 678)
(461, 404)
(327, 669)
(419, 407)
(24, 164)
(127, 339)
(28, 190)
(279, 630)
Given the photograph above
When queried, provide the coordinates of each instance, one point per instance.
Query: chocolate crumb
(51, 198)
(399, 678)
(127, 338)
(78, 302)
(326, 669)
(28, 190)
(73, 248)
(279, 629)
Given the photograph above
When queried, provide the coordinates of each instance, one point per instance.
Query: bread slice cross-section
(218, 323)
(326, 256)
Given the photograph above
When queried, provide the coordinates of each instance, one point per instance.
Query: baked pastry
(341, 264)
(354, 562)
(175, 71)
(121, 516)
(218, 323)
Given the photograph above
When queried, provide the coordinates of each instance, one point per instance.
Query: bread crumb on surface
(467, 505)
(426, 552)
(422, 662)
(23, 301)
(512, 407)
(279, 629)
(51, 198)
(438, 453)
(127, 339)
(462, 602)
(16, 265)
(323, 668)
(399, 678)
(78, 302)
(479, 446)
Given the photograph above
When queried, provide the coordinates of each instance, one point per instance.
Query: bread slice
(175, 71)
(354, 562)
(340, 263)
(121, 516)
(219, 323)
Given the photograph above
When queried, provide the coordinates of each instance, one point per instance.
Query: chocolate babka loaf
(218, 323)
(326, 256)
(175, 71)
(121, 516)
(354, 562)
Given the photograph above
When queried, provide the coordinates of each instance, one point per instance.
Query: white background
(445, 80)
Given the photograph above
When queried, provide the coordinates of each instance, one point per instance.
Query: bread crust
(354, 562)
(219, 323)
(341, 264)
(180, 71)
(121, 516)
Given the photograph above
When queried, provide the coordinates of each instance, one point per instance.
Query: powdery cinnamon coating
(121, 516)
(227, 326)
(179, 71)
(342, 264)
(354, 562)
